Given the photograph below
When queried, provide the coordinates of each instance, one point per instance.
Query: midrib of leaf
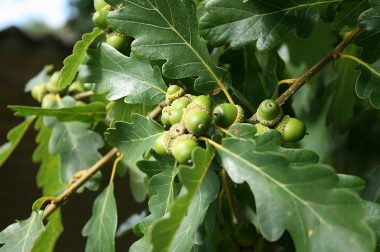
(220, 84)
(170, 194)
(274, 181)
(27, 233)
(101, 216)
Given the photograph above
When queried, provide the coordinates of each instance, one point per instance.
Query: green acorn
(291, 129)
(165, 116)
(100, 17)
(174, 92)
(226, 114)
(183, 148)
(116, 40)
(52, 85)
(197, 121)
(181, 102)
(269, 113)
(76, 87)
(49, 101)
(163, 143)
(38, 91)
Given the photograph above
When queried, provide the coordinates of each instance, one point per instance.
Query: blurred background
(35, 33)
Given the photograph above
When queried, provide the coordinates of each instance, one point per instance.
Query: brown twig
(76, 185)
(157, 110)
(83, 95)
(333, 55)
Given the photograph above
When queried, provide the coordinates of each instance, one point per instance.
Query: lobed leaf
(72, 63)
(100, 230)
(368, 84)
(239, 23)
(135, 138)
(369, 37)
(163, 189)
(92, 112)
(47, 239)
(177, 231)
(21, 236)
(120, 76)
(301, 197)
(14, 137)
(76, 145)
(168, 30)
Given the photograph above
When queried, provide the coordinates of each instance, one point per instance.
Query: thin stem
(286, 81)
(83, 95)
(157, 110)
(366, 65)
(117, 160)
(333, 55)
(223, 130)
(226, 188)
(75, 186)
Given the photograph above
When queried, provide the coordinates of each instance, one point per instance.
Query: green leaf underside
(239, 23)
(162, 190)
(177, 231)
(303, 198)
(41, 77)
(48, 176)
(92, 112)
(121, 76)
(21, 235)
(100, 230)
(72, 62)
(129, 223)
(48, 238)
(75, 143)
(368, 84)
(373, 218)
(14, 137)
(163, 27)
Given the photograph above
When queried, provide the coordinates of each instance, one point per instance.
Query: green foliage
(80, 148)
(368, 84)
(101, 228)
(14, 137)
(163, 26)
(241, 22)
(315, 205)
(369, 38)
(92, 112)
(201, 187)
(204, 174)
(72, 63)
(21, 235)
(121, 76)
(47, 239)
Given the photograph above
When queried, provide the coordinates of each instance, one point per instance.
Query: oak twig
(333, 55)
(157, 110)
(76, 185)
(83, 95)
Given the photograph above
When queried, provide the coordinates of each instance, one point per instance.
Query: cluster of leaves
(211, 47)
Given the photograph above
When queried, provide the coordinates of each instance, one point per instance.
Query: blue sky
(53, 13)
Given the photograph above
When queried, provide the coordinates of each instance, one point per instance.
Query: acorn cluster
(188, 117)
(270, 115)
(99, 18)
(45, 92)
